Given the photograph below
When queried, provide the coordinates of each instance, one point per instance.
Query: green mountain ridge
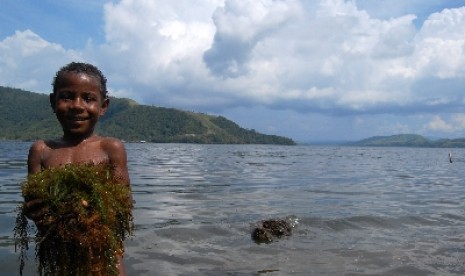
(28, 116)
(409, 140)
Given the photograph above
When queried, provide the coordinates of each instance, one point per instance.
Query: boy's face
(78, 104)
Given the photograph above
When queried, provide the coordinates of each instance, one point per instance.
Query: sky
(311, 70)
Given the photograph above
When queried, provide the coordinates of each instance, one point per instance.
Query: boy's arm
(34, 209)
(118, 159)
(34, 162)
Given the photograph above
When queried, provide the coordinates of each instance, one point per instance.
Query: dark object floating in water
(268, 230)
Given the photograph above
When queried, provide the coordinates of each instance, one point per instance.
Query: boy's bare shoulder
(38, 146)
(47, 144)
(35, 157)
(41, 147)
(111, 144)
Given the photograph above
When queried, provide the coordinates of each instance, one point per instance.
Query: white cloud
(438, 124)
(240, 26)
(29, 62)
(459, 121)
(451, 125)
(456, 123)
(440, 45)
(328, 56)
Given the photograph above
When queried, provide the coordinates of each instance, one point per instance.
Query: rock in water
(271, 229)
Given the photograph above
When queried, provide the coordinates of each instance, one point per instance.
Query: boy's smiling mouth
(77, 118)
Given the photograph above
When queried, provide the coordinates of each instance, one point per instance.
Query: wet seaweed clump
(269, 230)
(89, 216)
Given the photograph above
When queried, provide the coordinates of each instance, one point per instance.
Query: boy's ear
(52, 101)
(105, 104)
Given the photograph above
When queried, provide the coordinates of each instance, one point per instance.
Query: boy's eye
(64, 96)
(89, 98)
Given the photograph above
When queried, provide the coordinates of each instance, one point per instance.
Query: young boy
(79, 98)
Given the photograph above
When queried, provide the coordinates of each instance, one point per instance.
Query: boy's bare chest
(83, 154)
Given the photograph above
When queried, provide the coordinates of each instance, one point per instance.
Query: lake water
(361, 211)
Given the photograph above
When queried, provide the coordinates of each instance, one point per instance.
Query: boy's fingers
(35, 209)
(45, 222)
(37, 214)
(33, 204)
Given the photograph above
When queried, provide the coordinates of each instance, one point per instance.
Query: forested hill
(409, 140)
(28, 116)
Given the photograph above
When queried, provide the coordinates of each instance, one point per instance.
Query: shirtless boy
(79, 99)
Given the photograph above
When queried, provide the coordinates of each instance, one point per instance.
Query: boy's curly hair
(80, 67)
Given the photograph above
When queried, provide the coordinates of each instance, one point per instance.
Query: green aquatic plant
(89, 215)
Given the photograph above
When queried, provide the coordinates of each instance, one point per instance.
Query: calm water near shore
(361, 211)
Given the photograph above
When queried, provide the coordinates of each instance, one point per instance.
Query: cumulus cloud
(156, 48)
(459, 121)
(438, 124)
(240, 25)
(29, 62)
(328, 56)
(315, 57)
(456, 123)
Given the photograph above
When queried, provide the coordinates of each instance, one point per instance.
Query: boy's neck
(76, 139)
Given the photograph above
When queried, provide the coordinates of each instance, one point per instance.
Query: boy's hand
(37, 211)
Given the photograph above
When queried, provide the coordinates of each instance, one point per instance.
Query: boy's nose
(77, 103)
